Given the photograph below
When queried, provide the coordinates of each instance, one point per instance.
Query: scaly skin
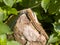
(36, 25)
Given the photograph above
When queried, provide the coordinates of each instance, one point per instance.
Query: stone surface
(26, 33)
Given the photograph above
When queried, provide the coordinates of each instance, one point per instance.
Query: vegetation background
(47, 11)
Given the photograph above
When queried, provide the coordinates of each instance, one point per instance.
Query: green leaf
(53, 39)
(54, 7)
(3, 39)
(18, 1)
(13, 43)
(57, 27)
(1, 10)
(5, 14)
(57, 43)
(12, 11)
(9, 2)
(1, 17)
(4, 28)
(29, 3)
(1, 0)
(45, 4)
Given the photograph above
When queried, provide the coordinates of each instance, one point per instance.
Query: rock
(26, 30)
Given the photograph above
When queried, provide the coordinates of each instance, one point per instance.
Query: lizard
(35, 24)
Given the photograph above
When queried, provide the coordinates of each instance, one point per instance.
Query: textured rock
(25, 30)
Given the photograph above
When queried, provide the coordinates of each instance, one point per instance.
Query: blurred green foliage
(47, 12)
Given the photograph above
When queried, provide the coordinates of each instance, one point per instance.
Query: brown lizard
(36, 25)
